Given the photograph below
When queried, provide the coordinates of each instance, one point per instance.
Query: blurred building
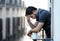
(10, 18)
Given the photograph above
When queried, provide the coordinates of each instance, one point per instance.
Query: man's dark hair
(30, 10)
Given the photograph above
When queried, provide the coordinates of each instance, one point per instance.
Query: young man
(43, 19)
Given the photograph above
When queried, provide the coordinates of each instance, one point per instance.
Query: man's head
(31, 11)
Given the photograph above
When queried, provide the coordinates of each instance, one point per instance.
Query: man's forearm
(31, 25)
(38, 27)
(36, 30)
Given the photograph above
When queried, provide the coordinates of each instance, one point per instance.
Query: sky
(37, 3)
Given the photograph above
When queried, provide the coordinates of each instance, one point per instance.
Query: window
(16, 2)
(0, 11)
(14, 26)
(17, 9)
(1, 24)
(2, 1)
(18, 21)
(50, 1)
(13, 9)
(7, 1)
(7, 27)
(13, 1)
(20, 2)
(21, 21)
(10, 1)
(7, 10)
(0, 8)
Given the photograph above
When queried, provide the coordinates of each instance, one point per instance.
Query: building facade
(10, 18)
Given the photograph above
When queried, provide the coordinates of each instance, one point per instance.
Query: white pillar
(4, 23)
(56, 20)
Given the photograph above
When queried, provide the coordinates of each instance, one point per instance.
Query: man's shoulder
(46, 12)
(43, 10)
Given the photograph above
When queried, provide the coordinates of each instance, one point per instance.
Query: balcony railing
(43, 37)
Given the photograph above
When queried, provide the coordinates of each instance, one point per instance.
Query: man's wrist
(32, 30)
(28, 20)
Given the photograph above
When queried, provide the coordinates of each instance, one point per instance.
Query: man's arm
(31, 25)
(36, 29)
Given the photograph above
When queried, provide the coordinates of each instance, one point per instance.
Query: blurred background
(13, 23)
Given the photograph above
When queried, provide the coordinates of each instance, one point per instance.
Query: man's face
(34, 14)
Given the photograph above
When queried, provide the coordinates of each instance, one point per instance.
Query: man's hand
(29, 33)
(36, 29)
